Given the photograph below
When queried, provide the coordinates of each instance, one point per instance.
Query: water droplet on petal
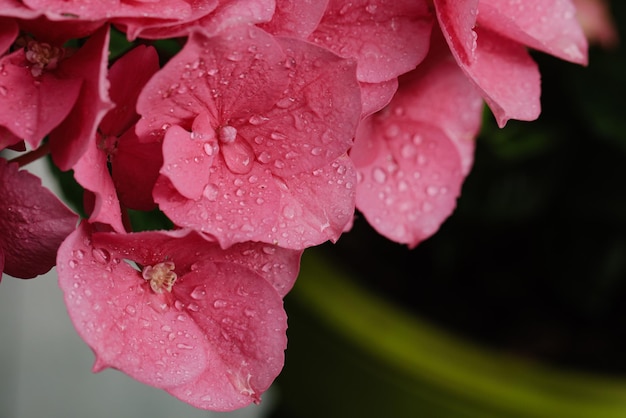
(379, 175)
(219, 303)
(198, 293)
(72, 263)
(101, 255)
(210, 192)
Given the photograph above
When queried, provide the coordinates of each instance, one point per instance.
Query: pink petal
(162, 29)
(297, 19)
(412, 185)
(387, 37)
(107, 9)
(457, 19)
(439, 93)
(507, 76)
(375, 96)
(69, 140)
(596, 22)
(127, 76)
(216, 341)
(8, 32)
(33, 223)
(15, 8)
(547, 26)
(135, 168)
(91, 172)
(185, 162)
(201, 79)
(33, 106)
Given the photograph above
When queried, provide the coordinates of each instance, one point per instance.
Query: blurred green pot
(353, 354)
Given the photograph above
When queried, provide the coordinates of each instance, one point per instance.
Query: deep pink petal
(135, 167)
(457, 19)
(412, 185)
(69, 140)
(92, 173)
(32, 106)
(549, 26)
(507, 77)
(8, 32)
(216, 341)
(33, 223)
(127, 76)
(297, 18)
(386, 37)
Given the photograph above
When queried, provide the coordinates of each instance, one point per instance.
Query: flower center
(161, 276)
(43, 56)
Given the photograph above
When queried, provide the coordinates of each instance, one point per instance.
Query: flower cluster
(260, 137)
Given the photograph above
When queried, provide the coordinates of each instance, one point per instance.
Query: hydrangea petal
(204, 77)
(550, 26)
(8, 32)
(69, 140)
(412, 185)
(375, 96)
(33, 223)
(296, 19)
(457, 19)
(507, 77)
(91, 172)
(314, 122)
(438, 92)
(135, 169)
(387, 37)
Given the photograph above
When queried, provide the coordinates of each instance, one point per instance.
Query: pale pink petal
(316, 207)
(386, 37)
(549, 26)
(457, 19)
(185, 162)
(15, 8)
(33, 223)
(32, 106)
(200, 80)
(296, 18)
(507, 77)
(439, 93)
(215, 341)
(107, 9)
(69, 140)
(412, 185)
(375, 96)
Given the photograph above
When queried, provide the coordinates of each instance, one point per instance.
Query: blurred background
(515, 308)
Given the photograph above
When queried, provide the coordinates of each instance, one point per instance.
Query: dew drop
(193, 307)
(184, 346)
(101, 255)
(130, 309)
(264, 157)
(73, 263)
(379, 175)
(198, 293)
(210, 192)
(432, 190)
(316, 151)
(219, 303)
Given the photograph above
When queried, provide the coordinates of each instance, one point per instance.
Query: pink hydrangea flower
(175, 311)
(33, 223)
(489, 40)
(247, 120)
(412, 157)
